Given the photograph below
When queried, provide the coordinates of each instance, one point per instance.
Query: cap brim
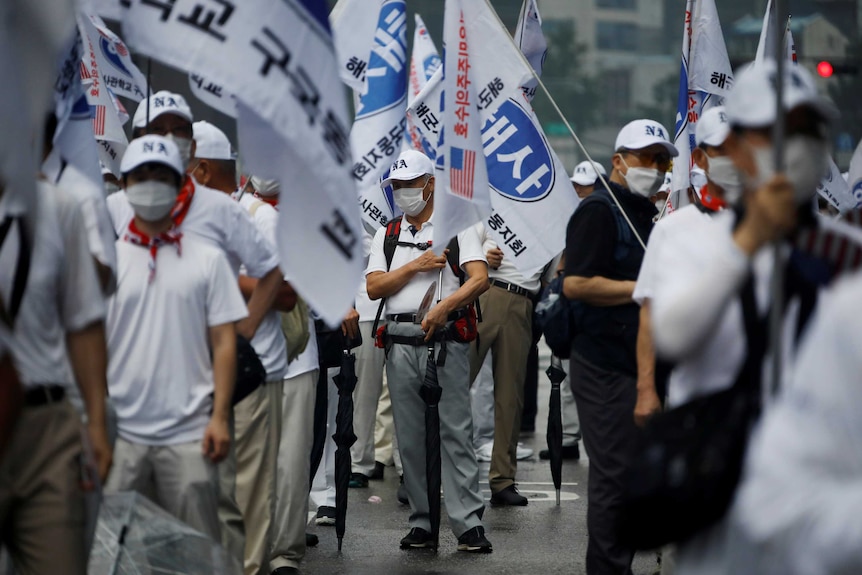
(402, 177)
(647, 142)
(582, 181)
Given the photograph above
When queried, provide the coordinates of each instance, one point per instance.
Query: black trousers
(606, 402)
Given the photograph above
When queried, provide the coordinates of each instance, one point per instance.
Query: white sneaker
(523, 452)
(484, 452)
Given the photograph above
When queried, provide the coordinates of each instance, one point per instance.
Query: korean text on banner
(116, 68)
(354, 23)
(212, 94)
(379, 128)
(424, 62)
(277, 58)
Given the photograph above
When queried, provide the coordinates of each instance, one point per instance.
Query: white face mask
(410, 199)
(152, 200)
(643, 181)
(805, 161)
(185, 146)
(724, 174)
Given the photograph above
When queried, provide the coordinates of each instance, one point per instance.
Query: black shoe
(311, 540)
(358, 481)
(286, 571)
(418, 538)
(571, 452)
(508, 496)
(474, 541)
(325, 515)
(377, 474)
(402, 493)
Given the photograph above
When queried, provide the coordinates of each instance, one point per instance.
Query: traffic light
(829, 68)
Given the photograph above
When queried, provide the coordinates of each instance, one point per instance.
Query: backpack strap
(390, 242)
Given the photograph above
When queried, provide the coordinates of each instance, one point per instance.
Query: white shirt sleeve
(224, 300)
(81, 301)
(377, 259)
(645, 286)
(800, 502)
(247, 244)
(120, 210)
(694, 293)
(470, 247)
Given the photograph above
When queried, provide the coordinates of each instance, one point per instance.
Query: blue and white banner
(705, 79)
(424, 62)
(854, 175)
(380, 125)
(531, 41)
(354, 27)
(277, 57)
(113, 60)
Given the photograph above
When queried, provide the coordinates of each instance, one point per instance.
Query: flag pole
(149, 89)
(777, 287)
(566, 123)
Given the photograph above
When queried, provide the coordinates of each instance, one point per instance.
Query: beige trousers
(385, 442)
(184, 481)
(41, 502)
(293, 473)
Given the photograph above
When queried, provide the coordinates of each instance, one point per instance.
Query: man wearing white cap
(585, 177)
(172, 345)
(733, 263)
(679, 237)
(404, 280)
(257, 417)
(603, 257)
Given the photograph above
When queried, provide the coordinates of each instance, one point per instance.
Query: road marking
(542, 496)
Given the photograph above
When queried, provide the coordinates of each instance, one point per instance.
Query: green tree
(663, 109)
(575, 91)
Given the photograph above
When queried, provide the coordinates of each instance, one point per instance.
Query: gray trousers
(405, 369)
(369, 371)
(606, 400)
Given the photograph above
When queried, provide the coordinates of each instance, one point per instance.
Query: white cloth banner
(705, 79)
(354, 28)
(837, 191)
(277, 58)
(107, 124)
(110, 9)
(531, 41)
(854, 175)
(213, 95)
(118, 72)
(424, 62)
(379, 127)
(766, 44)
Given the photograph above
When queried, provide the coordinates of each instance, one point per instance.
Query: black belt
(43, 395)
(411, 317)
(511, 288)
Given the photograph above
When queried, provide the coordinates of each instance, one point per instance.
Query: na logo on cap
(399, 164)
(155, 147)
(165, 102)
(656, 131)
(581, 170)
(722, 117)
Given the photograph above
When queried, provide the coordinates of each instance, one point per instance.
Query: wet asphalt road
(539, 538)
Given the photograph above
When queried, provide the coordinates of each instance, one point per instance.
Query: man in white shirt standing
(257, 417)
(58, 339)
(404, 282)
(172, 345)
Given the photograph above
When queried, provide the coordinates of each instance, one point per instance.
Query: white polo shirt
(62, 293)
(409, 298)
(160, 373)
(215, 217)
(366, 308)
(268, 340)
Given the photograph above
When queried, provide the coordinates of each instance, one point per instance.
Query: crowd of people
(205, 382)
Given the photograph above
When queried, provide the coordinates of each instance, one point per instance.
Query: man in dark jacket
(604, 250)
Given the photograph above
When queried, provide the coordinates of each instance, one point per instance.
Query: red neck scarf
(178, 213)
(711, 202)
(184, 201)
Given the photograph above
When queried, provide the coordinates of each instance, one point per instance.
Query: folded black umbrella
(344, 437)
(430, 393)
(555, 423)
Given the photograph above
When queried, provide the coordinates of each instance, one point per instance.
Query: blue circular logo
(387, 67)
(110, 52)
(430, 65)
(518, 157)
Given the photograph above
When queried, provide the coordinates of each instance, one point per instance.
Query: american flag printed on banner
(99, 120)
(462, 172)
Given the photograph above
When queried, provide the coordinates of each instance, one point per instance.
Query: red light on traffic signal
(825, 69)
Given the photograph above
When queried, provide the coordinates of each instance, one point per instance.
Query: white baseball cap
(640, 134)
(162, 102)
(265, 187)
(712, 128)
(586, 173)
(751, 101)
(152, 149)
(410, 165)
(211, 143)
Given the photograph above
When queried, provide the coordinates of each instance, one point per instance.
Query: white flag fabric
(854, 176)
(354, 26)
(107, 124)
(531, 41)
(110, 9)
(424, 113)
(766, 44)
(277, 58)
(212, 94)
(424, 62)
(705, 79)
(380, 125)
(113, 60)
(790, 44)
(836, 190)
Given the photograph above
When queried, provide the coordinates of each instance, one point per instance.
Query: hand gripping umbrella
(430, 392)
(555, 423)
(344, 437)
